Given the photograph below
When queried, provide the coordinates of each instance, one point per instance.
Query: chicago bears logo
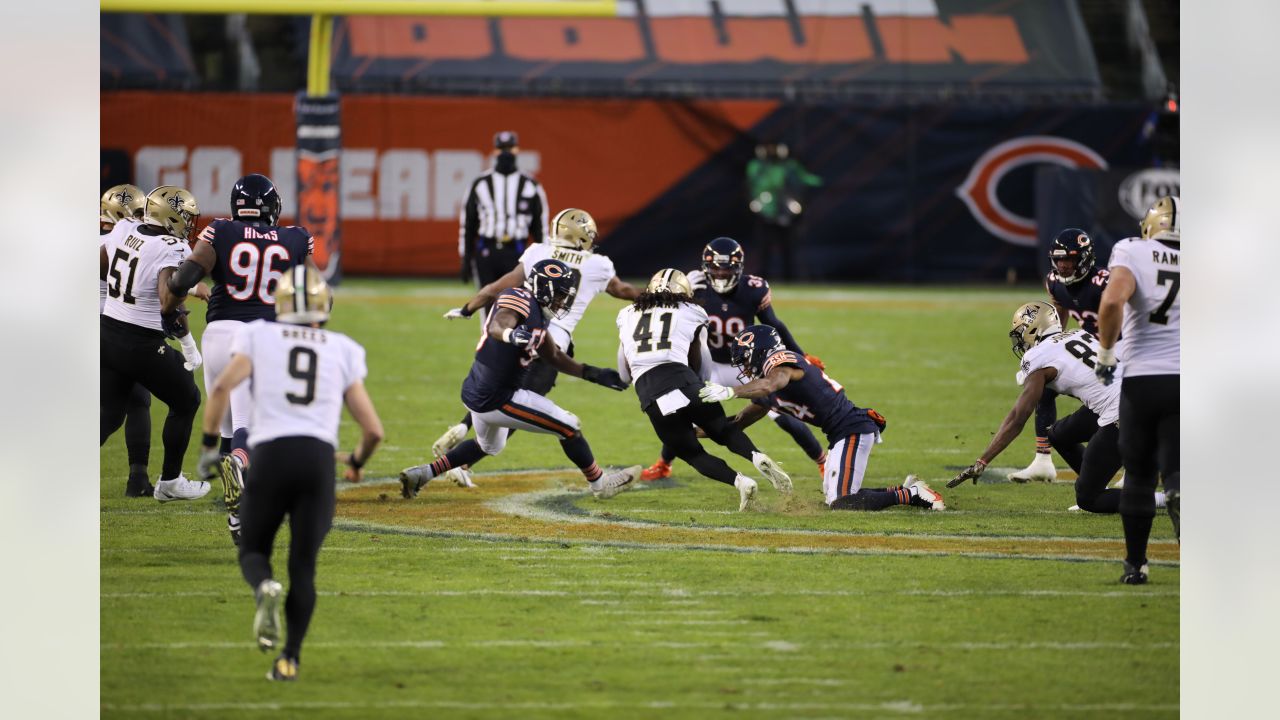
(553, 270)
(978, 191)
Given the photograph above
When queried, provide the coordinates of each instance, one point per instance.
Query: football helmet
(722, 261)
(254, 200)
(751, 347)
(120, 202)
(1072, 255)
(554, 285)
(672, 281)
(575, 229)
(1161, 221)
(1032, 323)
(303, 297)
(174, 208)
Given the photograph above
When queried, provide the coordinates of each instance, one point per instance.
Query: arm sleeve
(769, 317)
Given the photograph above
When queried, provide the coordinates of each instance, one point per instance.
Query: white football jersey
(659, 335)
(300, 375)
(134, 262)
(596, 270)
(102, 284)
(1151, 343)
(1072, 354)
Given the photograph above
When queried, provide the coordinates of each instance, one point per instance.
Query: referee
(505, 211)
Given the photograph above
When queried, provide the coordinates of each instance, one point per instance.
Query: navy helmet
(254, 200)
(1072, 255)
(722, 262)
(554, 285)
(751, 347)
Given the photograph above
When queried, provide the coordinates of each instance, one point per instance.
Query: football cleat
(139, 486)
(1041, 469)
(284, 669)
(1074, 508)
(460, 477)
(451, 437)
(1134, 575)
(656, 471)
(180, 488)
(414, 479)
(924, 496)
(266, 618)
(781, 481)
(613, 483)
(232, 476)
(233, 527)
(746, 491)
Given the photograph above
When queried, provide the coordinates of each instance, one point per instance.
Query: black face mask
(506, 162)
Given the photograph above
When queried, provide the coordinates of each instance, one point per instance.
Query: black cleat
(139, 487)
(284, 669)
(1134, 575)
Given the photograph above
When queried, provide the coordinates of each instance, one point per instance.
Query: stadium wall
(915, 194)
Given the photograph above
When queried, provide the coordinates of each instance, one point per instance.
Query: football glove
(1105, 366)
(518, 336)
(712, 392)
(174, 323)
(206, 467)
(815, 361)
(457, 313)
(973, 472)
(697, 280)
(607, 377)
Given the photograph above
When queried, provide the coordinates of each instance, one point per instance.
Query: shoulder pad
(782, 357)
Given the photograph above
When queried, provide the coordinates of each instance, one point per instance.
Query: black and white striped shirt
(502, 208)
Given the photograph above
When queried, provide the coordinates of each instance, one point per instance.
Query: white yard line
(752, 646)
(663, 591)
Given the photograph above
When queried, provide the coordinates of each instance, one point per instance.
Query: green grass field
(526, 597)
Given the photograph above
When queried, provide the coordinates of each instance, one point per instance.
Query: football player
(300, 376)
(732, 302)
(1075, 287)
(246, 256)
(786, 382)
(137, 261)
(1062, 362)
(516, 333)
(1143, 293)
(124, 204)
(662, 348)
(573, 241)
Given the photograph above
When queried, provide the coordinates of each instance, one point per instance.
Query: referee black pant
(1095, 464)
(132, 354)
(1150, 408)
(292, 476)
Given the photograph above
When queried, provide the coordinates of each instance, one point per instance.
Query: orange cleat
(822, 468)
(656, 471)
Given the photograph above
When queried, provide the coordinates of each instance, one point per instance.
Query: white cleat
(781, 481)
(613, 483)
(460, 477)
(266, 619)
(1074, 508)
(180, 488)
(1040, 470)
(451, 437)
(746, 491)
(925, 494)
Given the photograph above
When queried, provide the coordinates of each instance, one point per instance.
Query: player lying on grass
(789, 383)
(732, 301)
(661, 347)
(1062, 362)
(515, 334)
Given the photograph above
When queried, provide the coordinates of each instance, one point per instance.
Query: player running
(516, 332)
(300, 377)
(137, 262)
(1075, 288)
(1063, 362)
(661, 347)
(732, 302)
(246, 256)
(785, 381)
(573, 241)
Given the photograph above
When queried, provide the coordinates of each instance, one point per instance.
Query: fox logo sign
(978, 191)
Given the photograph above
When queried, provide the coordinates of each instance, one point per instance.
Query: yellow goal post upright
(316, 108)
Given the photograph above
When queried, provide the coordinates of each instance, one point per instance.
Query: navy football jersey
(1081, 299)
(819, 400)
(251, 261)
(728, 315)
(499, 366)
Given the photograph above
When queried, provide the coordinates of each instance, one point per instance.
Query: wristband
(1107, 356)
(353, 462)
(981, 462)
(211, 440)
(506, 335)
(465, 312)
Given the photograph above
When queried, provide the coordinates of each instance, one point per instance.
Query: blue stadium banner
(319, 150)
